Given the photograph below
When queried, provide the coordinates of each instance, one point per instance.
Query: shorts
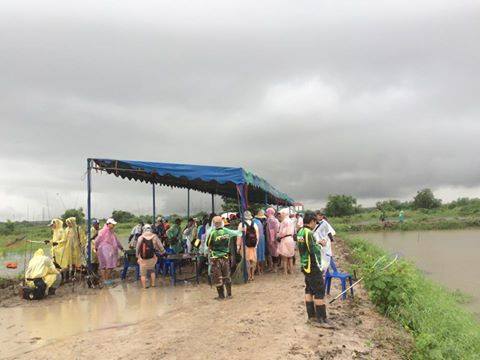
(314, 285)
(146, 272)
(147, 266)
(220, 271)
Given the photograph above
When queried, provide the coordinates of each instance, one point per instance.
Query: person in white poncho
(324, 233)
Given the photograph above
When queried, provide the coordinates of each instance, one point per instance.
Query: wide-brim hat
(247, 215)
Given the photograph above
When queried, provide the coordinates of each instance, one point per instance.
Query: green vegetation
(76, 213)
(460, 214)
(14, 239)
(341, 205)
(426, 200)
(442, 329)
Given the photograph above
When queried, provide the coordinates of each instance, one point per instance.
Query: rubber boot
(321, 312)
(310, 309)
(228, 286)
(221, 292)
(322, 321)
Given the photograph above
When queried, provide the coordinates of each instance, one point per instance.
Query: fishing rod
(372, 269)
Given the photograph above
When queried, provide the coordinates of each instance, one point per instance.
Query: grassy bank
(22, 231)
(438, 219)
(442, 329)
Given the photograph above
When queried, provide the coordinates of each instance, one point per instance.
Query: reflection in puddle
(26, 327)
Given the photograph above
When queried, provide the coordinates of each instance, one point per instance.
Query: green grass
(15, 242)
(41, 232)
(442, 329)
(443, 218)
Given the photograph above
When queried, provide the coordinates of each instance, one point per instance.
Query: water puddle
(24, 328)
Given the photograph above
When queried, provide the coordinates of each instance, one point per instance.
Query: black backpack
(251, 236)
(147, 250)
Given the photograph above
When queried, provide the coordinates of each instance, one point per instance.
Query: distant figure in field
(107, 246)
(401, 216)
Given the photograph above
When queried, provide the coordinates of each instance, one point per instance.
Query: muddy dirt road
(265, 320)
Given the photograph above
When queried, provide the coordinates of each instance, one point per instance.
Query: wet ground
(264, 320)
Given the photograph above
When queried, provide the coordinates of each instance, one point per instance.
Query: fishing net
(237, 276)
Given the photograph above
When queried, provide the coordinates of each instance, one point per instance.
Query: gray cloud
(373, 99)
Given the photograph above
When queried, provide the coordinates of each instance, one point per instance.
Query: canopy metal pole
(213, 203)
(242, 210)
(188, 204)
(153, 207)
(89, 215)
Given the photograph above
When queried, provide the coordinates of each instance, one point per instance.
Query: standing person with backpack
(251, 241)
(147, 245)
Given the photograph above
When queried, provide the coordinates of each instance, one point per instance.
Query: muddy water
(450, 257)
(22, 329)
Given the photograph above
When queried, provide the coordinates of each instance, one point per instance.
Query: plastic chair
(128, 262)
(337, 275)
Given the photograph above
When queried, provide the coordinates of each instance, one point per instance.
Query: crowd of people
(266, 242)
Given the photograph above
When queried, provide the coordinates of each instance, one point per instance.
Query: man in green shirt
(310, 262)
(218, 245)
(174, 237)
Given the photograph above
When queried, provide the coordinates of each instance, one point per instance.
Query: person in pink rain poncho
(272, 230)
(286, 249)
(107, 246)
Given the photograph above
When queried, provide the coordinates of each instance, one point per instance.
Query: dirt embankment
(265, 320)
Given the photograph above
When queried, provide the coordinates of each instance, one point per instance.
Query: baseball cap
(111, 221)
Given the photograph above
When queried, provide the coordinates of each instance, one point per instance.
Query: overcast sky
(376, 99)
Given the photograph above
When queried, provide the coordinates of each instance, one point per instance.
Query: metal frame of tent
(231, 182)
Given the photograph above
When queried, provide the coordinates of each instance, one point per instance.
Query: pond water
(450, 257)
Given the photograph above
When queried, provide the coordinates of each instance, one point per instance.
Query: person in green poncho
(218, 246)
(310, 263)
(174, 237)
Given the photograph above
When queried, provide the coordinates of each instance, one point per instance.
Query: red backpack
(146, 249)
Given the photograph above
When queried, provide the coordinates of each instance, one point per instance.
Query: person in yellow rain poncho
(72, 245)
(93, 234)
(41, 275)
(57, 236)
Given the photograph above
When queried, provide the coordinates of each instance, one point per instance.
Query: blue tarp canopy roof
(217, 180)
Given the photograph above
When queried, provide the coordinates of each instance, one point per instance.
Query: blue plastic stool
(170, 266)
(128, 264)
(337, 275)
